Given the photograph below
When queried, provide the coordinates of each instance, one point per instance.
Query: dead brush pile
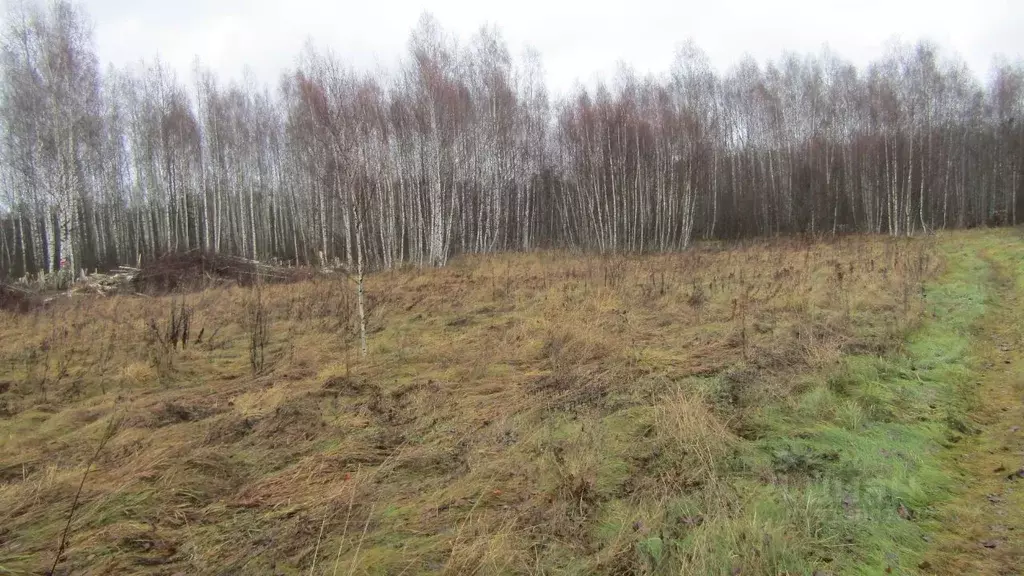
(14, 299)
(196, 269)
(521, 413)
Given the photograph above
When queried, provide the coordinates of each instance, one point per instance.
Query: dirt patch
(574, 390)
(348, 386)
(16, 472)
(149, 548)
(460, 322)
(299, 420)
(170, 413)
(230, 428)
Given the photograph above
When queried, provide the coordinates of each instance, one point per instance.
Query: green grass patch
(878, 457)
(848, 465)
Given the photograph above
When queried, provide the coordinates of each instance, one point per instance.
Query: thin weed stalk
(108, 433)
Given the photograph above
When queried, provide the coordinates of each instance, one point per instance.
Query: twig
(317, 549)
(355, 557)
(348, 515)
(107, 435)
(458, 534)
(366, 524)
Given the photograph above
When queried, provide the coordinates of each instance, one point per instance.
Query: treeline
(461, 149)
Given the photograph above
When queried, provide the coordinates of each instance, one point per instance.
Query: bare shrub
(697, 298)
(257, 325)
(167, 337)
(50, 363)
(176, 329)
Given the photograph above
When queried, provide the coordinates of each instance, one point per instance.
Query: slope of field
(785, 407)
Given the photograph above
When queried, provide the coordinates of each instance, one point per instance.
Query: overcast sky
(577, 39)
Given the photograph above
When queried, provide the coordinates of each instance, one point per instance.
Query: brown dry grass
(512, 411)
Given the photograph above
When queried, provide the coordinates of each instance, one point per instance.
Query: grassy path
(981, 530)
(925, 439)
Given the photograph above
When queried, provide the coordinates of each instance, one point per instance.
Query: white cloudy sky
(577, 39)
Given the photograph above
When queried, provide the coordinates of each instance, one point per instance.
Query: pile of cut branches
(16, 299)
(106, 284)
(197, 269)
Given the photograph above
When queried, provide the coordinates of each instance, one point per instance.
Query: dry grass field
(768, 408)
